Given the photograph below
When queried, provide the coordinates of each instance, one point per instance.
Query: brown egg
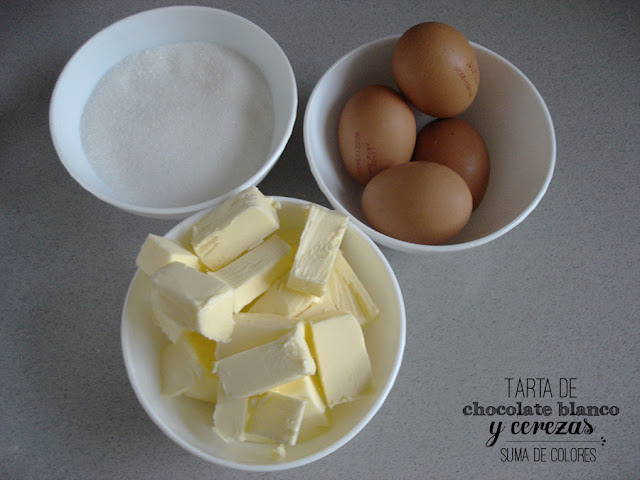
(376, 130)
(418, 202)
(435, 67)
(455, 143)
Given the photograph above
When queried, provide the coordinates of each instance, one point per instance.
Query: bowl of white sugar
(173, 110)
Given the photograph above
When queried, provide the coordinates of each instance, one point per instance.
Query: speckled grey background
(555, 298)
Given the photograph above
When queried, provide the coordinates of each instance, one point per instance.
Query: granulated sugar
(178, 124)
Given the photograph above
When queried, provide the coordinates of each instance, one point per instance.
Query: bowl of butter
(262, 334)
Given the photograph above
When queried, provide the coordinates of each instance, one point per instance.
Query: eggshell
(376, 130)
(458, 145)
(418, 202)
(435, 67)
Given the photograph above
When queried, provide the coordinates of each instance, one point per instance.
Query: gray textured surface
(556, 297)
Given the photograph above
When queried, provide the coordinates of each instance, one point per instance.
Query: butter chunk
(205, 388)
(203, 354)
(178, 374)
(157, 251)
(240, 223)
(172, 329)
(315, 413)
(349, 294)
(264, 367)
(185, 372)
(203, 349)
(281, 300)
(344, 367)
(194, 300)
(323, 305)
(276, 416)
(230, 416)
(251, 274)
(253, 329)
(319, 245)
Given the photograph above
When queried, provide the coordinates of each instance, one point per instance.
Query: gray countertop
(555, 299)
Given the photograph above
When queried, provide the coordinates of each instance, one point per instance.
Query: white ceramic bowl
(189, 422)
(508, 112)
(159, 27)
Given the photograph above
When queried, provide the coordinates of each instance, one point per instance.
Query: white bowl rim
(382, 396)
(176, 212)
(414, 247)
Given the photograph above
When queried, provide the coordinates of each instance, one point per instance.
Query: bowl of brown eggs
(430, 142)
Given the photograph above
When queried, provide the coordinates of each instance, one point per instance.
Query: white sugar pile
(178, 124)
